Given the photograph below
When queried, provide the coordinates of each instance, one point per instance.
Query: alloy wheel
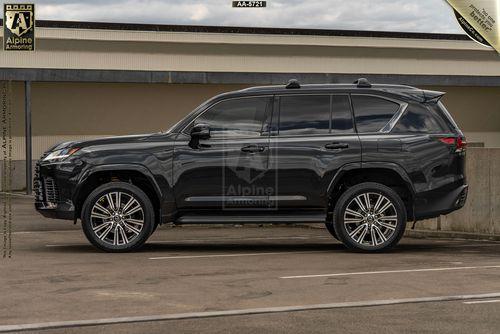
(370, 219)
(117, 218)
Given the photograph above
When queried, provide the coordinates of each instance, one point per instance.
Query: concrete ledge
(428, 234)
(255, 78)
(424, 234)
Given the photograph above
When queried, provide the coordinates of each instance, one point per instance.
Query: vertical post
(27, 134)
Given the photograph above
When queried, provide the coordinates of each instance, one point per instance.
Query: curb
(3, 193)
(423, 234)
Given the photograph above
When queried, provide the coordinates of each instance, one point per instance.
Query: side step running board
(233, 219)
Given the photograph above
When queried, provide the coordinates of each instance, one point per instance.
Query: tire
(331, 228)
(372, 229)
(122, 226)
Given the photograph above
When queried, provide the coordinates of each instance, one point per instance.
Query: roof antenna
(293, 84)
(362, 83)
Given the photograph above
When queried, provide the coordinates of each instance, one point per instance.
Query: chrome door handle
(336, 146)
(253, 148)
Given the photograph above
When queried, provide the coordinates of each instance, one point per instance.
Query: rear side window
(315, 114)
(241, 117)
(418, 119)
(304, 114)
(372, 113)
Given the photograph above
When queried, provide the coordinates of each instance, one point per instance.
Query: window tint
(418, 118)
(341, 114)
(438, 110)
(304, 114)
(372, 113)
(242, 117)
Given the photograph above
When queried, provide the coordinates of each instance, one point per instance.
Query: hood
(111, 140)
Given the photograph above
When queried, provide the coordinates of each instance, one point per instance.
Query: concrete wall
(481, 213)
(18, 181)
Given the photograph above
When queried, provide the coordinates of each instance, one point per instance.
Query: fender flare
(116, 167)
(372, 164)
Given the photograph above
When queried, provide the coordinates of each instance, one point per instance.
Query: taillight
(448, 140)
(459, 142)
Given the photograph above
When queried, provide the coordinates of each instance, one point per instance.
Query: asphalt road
(246, 280)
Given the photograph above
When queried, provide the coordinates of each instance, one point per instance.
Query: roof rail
(362, 83)
(293, 84)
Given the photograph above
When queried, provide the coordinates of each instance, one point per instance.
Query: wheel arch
(389, 174)
(132, 173)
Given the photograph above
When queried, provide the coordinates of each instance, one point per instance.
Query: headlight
(60, 154)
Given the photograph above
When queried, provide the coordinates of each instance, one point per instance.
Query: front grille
(37, 184)
(51, 190)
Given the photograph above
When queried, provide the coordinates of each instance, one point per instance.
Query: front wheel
(370, 217)
(118, 217)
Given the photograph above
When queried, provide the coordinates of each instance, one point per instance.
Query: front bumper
(59, 211)
(52, 187)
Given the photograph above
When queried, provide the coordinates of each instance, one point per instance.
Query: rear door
(313, 136)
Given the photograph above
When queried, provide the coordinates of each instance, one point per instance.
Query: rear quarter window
(442, 115)
(417, 118)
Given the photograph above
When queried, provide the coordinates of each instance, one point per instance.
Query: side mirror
(200, 131)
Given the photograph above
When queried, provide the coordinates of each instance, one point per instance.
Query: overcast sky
(388, 15)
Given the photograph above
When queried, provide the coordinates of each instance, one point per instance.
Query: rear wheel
(118, 217)
(370, 217)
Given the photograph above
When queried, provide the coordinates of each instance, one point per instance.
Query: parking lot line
(211, 314)
(391, 271)
(211, 240)
(483, 301)
(230, 255)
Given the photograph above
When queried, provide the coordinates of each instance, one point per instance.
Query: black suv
(363, 159)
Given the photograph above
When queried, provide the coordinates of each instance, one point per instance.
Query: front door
(227, 170)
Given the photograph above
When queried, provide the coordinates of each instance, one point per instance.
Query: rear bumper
(440, 202)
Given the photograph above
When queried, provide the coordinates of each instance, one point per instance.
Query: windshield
(178, 124)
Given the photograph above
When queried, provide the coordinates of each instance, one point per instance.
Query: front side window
(304, 114)
(240, 117)
(372, 113)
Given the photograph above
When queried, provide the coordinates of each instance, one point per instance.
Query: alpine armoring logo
(247, 179)
(19, 27)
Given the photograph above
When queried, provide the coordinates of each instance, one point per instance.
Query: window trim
(430, 114)
(387, 128)
(270, 97)
(277, 110)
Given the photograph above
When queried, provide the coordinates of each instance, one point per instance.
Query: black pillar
(27, 135)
